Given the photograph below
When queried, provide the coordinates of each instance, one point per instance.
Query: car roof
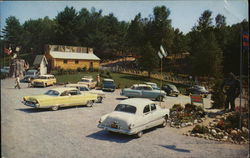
(139, 103)
(86, 78)
(76, 85)
(140, 85)
(107, 79)
(47, 75)
(60, 90)
(150, 83)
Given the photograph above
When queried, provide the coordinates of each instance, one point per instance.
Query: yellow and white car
(44, 81)
(84, 88)
(89, 81)
(60, 97)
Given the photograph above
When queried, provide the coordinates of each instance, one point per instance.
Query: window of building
(65, 61)
(76, 61)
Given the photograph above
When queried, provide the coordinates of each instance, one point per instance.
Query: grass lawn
(121, 80)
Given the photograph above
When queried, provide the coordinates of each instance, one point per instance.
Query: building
(41, 64)
(70, 57)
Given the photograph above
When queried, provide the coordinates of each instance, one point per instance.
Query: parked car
(133, 116)
(143, 91)
(5, 69)
(108, 85)
(171, 90)
(30, 75)
(196, 89)
(153, 85)
(44, 81)
(84, 88)
(89, 81)
(60, 97)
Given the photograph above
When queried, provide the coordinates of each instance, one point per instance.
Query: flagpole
(161, 79)
(240, 74)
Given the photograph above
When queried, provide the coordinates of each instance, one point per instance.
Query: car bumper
(30, 104)
(108, 89)
(117, 130)
(38, 84)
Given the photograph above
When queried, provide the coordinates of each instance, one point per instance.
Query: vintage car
(44, 81)
(153, 85)
(108, 85)
(84, 88)
(133, 116)
(60, 97)
(143, 91)
(89, 81)
(196, 89)
(171, 90)
(30, 75)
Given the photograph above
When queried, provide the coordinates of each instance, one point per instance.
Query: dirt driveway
(72, 132)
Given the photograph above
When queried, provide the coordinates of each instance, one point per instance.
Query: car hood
(39, 80)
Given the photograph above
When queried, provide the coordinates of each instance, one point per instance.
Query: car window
(147, 88)
(125, 108)
(146, 109)
(83, 89)
(52, 93)
(74, 92)
(153, 107)
(65, 93)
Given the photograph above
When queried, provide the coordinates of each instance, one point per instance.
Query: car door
(76, 98)
(64, 99)
(147, 117)
(147, 92)
(155, 115)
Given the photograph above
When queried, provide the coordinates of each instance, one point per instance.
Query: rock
(199, 121)
(192, 134)
(225, 137)
(245, 130)
(189, 124)
(213, 131)
(183, 125)
(233, 132)
(195, 121)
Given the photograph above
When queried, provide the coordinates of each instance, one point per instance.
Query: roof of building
(39, 59)
(71, 55)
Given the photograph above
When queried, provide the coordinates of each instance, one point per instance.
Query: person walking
(231, 88)
(18, 83)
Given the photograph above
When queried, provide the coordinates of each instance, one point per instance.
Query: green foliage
(200, 129)
(217, 97)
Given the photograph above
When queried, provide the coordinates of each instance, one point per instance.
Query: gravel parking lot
(72, 132)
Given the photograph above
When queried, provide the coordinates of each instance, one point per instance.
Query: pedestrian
(231, 88)
(29, 82)
(17, 83)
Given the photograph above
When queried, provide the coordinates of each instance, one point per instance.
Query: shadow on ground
(34, 110)
(173, 147)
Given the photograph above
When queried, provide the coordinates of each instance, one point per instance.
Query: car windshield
(172, 86)
(108, 82)
(42, 77)
(30, 73)
(52, 93)
(125, 108)
(83, 89)
(85, 80)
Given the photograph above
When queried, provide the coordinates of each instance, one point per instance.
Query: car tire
(90, 103)
(176, 95)
(99, 99)
(159, 98)
(139, 134)
(54, 108)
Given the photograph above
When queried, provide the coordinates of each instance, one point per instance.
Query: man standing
(17, 83)
(231, 88)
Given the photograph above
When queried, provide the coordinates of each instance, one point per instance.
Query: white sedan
(133, 116)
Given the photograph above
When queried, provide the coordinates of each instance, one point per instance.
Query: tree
(12, 32)
(220, 21)
(67, 22)
(149, 61)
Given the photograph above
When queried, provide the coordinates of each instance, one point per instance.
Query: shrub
(200, 129)
(177, 107)
(78, 69)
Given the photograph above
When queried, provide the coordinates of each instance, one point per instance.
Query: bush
(200, 129)
(177, 107)
(78, 69)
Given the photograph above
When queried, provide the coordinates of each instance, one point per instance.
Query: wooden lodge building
(70, 57)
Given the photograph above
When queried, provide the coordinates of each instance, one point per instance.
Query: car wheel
(90, 103)
(54, 108)
(139, 134)
(159, 98)
(99, 99)
(176, 95)
(164, 124)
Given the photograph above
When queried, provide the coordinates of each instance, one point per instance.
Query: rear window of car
(126, 108)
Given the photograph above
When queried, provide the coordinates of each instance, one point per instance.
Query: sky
(184, 13)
